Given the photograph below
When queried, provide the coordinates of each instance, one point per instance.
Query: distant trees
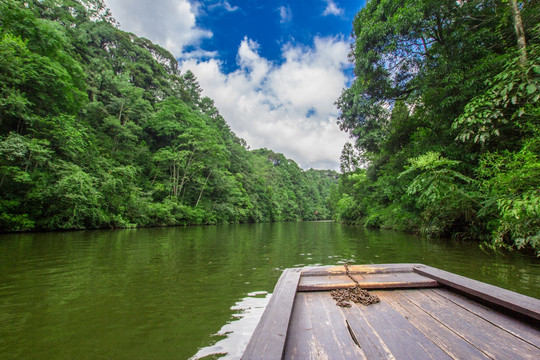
(100, 129)
(444, 103)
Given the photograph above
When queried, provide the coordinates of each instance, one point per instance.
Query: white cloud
(224, 5)
(332, 8)
(285, 14)
(169, 23)
(288, 108)
(199, 54)
(229, 8)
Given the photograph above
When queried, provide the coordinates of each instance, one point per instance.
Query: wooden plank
(524, 305)
(325, 282)
(358, 269)
(366, 337)
(384, 333)
(318, 330)
(366, 281)
(300, 334)
(517, 328)
(453, 344)
(399, 279)
(491, 340)
(347, 347)
(268, 339)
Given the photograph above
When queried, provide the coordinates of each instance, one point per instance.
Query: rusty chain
(356, 294)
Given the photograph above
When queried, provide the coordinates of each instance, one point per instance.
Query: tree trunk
(204, 185)
(174, 180)
(120, 115)
(520, 32)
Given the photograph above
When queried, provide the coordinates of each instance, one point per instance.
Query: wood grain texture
(491, 340)
(519, 329)
(524, 305)
(454, 345)
(268, 339)
(318, 331)
(384, 333)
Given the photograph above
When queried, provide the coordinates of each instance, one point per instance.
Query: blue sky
(274, 68)
(273, 24)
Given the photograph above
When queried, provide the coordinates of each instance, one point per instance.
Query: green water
(163, 293)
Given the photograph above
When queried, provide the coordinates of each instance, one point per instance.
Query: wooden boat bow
(424, 313)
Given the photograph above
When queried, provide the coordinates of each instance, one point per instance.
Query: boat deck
(423, 313)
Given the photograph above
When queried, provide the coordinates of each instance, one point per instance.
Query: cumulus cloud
(289, 107)
(332, 8)
(171, 24)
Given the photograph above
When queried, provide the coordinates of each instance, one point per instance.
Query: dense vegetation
(100, 129)
(445, 116)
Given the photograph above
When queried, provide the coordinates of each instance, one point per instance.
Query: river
(190, 292)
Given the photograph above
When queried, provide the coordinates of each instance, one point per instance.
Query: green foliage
(350, 159)
(510, 180)
(444, 110)
(440, 193)
(434, 180)
(76, 200)
(347, 209)
(19, 157)
(509, 102)
(100, 129)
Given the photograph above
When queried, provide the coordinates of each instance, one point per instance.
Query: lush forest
(445, 120)
(99, 129)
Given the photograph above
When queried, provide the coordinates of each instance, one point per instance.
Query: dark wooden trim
(268, 339)
(521, 304)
